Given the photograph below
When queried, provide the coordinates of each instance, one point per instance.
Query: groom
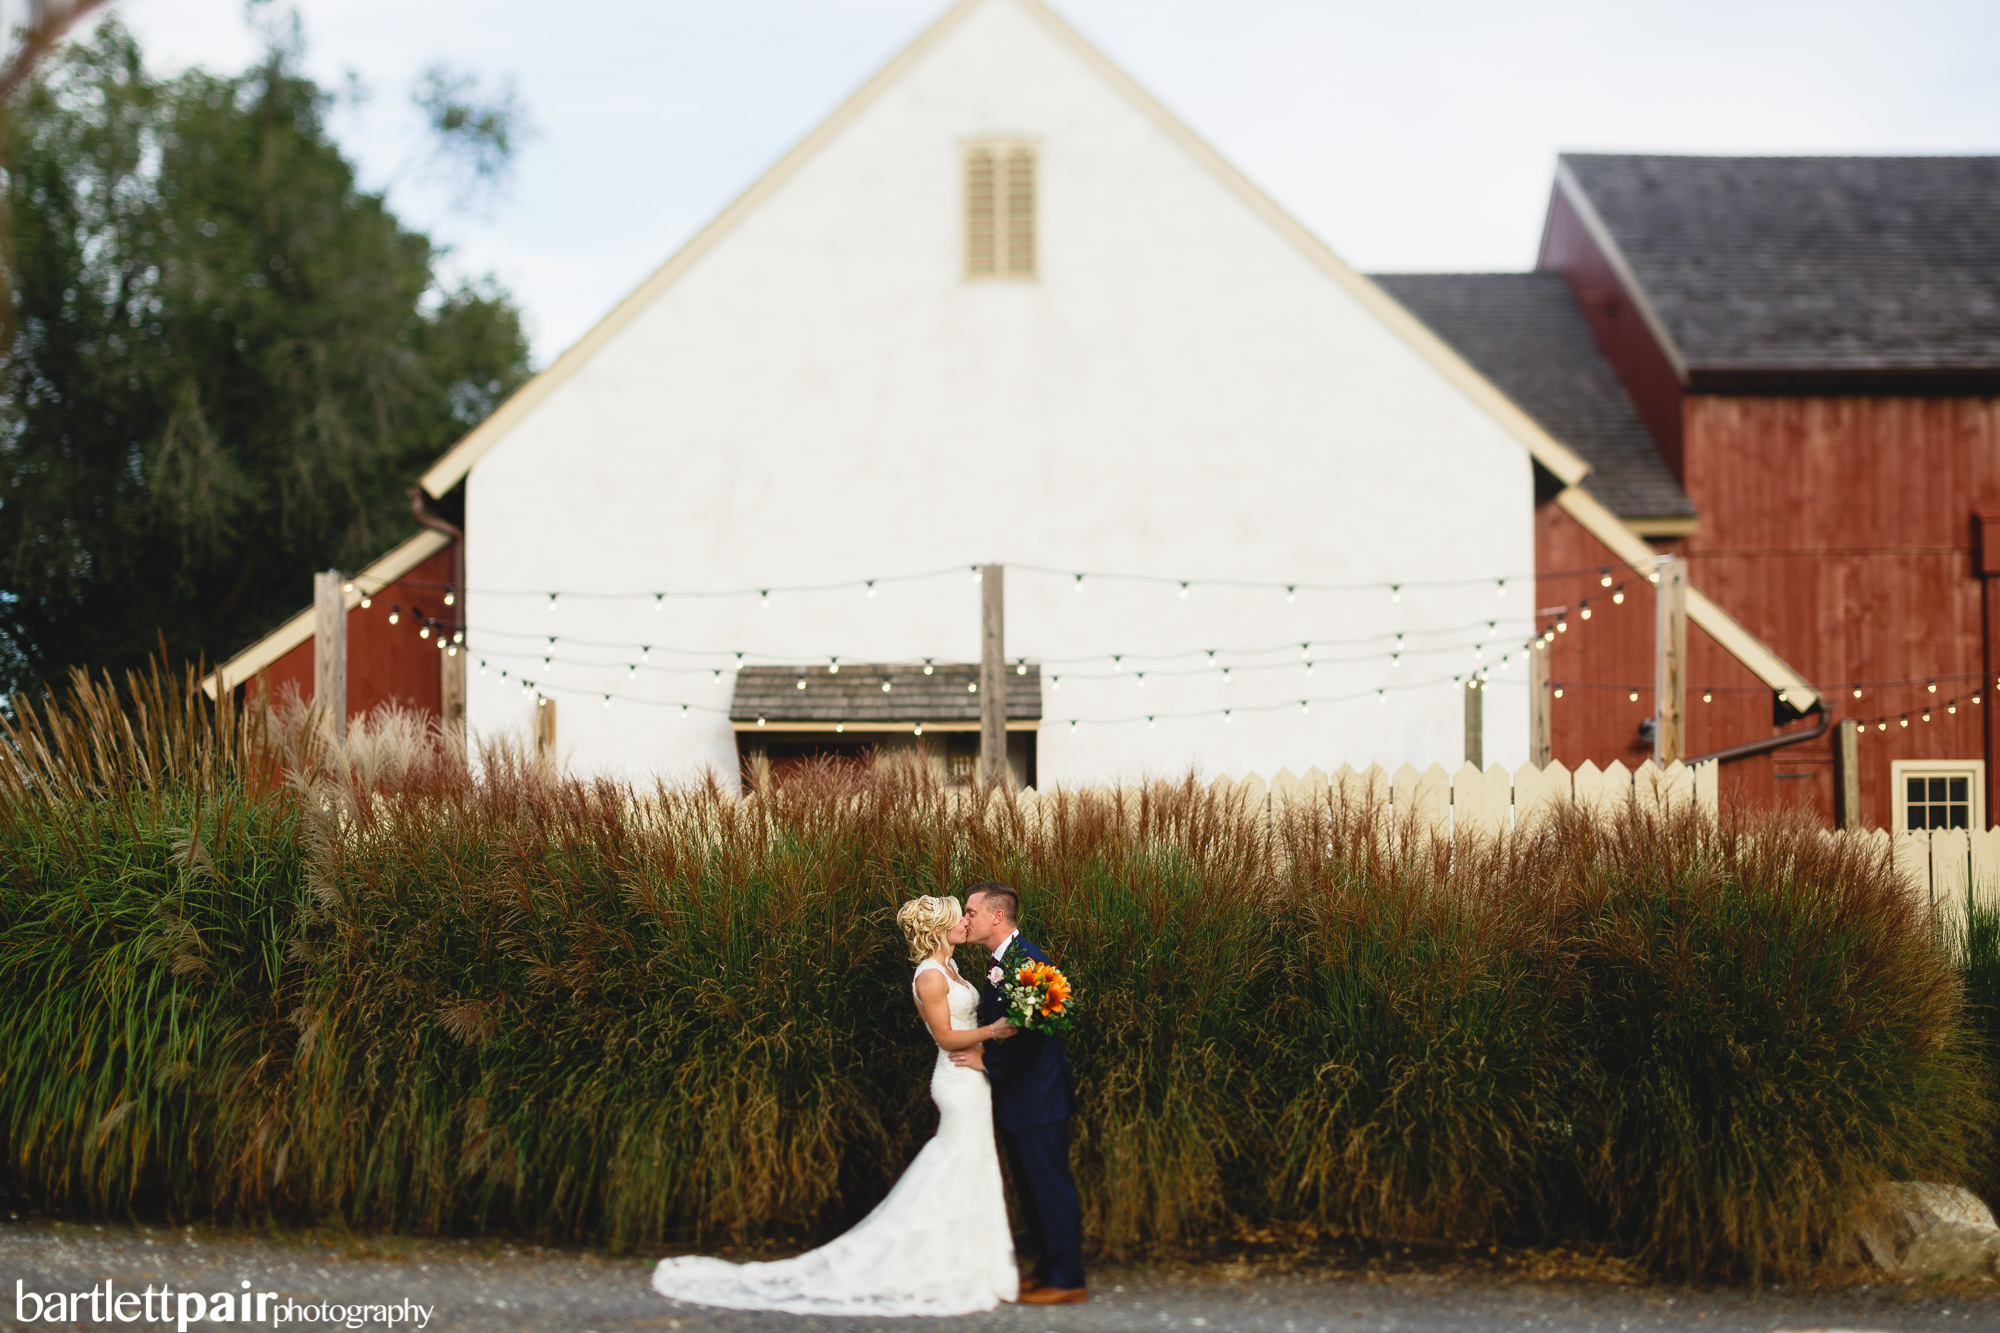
(1032, 1100)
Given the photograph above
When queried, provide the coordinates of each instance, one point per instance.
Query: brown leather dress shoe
(1028, 1284)
(1055, 1296)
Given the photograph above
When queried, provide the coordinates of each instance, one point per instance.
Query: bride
(940, 1243)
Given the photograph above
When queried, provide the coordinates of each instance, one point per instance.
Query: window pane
(1958, 817)
(1958, 790)
(980, 221)
(1937, 789)
(1913, 789)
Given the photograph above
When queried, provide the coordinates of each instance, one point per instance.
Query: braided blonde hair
(925, 923)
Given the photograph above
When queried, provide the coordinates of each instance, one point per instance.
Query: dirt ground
(494, 1285)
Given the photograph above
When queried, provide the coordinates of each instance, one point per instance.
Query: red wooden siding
(1841, 532)
(1622, 336)
(1599, 663)
(385, 663)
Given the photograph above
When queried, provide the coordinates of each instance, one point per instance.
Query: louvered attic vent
(1000, 210)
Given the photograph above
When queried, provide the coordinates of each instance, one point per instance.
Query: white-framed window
(1001, 205)
(1938, 794)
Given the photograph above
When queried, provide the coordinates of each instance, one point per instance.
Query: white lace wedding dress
(938, 1245)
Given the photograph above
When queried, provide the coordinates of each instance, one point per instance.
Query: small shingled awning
(878, 696)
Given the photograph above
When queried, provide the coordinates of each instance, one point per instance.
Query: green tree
(229, 360)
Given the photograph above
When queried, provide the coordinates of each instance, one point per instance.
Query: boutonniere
(994, 973)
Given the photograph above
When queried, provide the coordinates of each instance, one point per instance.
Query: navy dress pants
(1039, 1158)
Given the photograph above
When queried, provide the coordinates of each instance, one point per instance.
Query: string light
(1225, 715)
(1927, 715)
(1502, 588)
(1933, 687)
(659, 601)
(1559, 692)
(1604, 578)
(1707, 697)
(1951, 706)
(1291, 594)
(1021, 666)
(1395, 592)
(1618, 595)
(395, 615)
(832, 666)
(552, 601)
(871, 588)
(1583, 610)
(1142, 680)
(1857, 691)
(366, 601)
(1906, 720)
(451, 599)
(927, 666)
(1633, 696)
(1562, 627)
(885, 687)
(1184, 591)
(1079, 588)
(1055, 682)
(764, 598)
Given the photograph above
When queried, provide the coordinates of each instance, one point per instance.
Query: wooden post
(545, 727)
(1847, 767)
(1475, 723)
(1541, 708)
(1670, 641)
(992, 677)
(330, 650)
(451, 697)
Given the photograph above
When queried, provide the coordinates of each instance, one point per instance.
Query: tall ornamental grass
(247, 973)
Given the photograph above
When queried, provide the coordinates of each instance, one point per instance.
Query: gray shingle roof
(1524, 332)
(1767, 266)
(855, 694)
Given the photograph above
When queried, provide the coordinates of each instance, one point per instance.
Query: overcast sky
(1410, 136)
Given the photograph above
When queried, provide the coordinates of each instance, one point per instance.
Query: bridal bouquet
(1038, 998)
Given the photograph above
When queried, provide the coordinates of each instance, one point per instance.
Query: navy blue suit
(1034, 1094)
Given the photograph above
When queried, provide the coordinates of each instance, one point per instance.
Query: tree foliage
(229, 362)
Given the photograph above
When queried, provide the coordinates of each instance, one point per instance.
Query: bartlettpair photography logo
(107, 1303)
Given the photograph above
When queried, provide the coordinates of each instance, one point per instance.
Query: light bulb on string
(1395, 592)
(1305, 650)
(1562, 626)
(482, 666)
(1149, 724)
(1951, 706)
(1559, 693)
(1881, 724)
(919, 729)
(764, 597)
(1857, 691)
(395, 615)
(739, 661)
(607, 701)
(801, 683)
(424, 633)
(366, 601)
(1116, 659)
(1055, 682)
(347, 585)
(1632, 696)
(1225, 675)
(1291, 594)
(1079, 587)
(1304, 706)
(1604, 578)
(659, 601)
(1395, 661)
(1072, 726)
(975, 573)
(458, 636)
(1142, 680)
(1618, 595)
(1905, 720)
(451, 599)
(871, 587)
(885, 687)
(1933, 687)
(832, 666)
(1184, 591)
(1381, 696)
(972, 687)
(1707, 697)
(1226, 717)
(552, 601)
(1927, 715)
(1021, 666)
(1501, 588)
(1309, 666)
(928, 668)
(1583, 611)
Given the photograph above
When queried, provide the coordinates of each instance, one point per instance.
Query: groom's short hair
(1003, 896)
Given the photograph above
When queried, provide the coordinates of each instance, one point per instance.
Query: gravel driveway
(495, 1286)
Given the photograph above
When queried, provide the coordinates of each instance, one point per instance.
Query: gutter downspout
(1752, 748)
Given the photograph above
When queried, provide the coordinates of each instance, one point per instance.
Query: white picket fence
(1952, 868)
(1469, 801)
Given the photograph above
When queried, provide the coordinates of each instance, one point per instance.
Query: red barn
(1792, 381)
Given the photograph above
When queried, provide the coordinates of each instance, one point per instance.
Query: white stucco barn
(1002, 307)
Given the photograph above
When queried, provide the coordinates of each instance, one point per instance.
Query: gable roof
(1525, 333)
(450, 469)
(299, 629)
(1757, 269)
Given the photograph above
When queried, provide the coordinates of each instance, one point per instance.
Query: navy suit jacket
(1029, 1071)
